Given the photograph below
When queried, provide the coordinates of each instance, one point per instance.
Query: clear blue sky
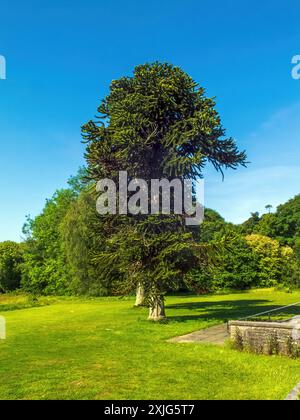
(61, 56)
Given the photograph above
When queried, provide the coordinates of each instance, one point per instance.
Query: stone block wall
(266, 337)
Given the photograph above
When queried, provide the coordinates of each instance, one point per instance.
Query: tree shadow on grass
(227, 310)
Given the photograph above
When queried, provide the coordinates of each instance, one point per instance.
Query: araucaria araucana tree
(157, 124)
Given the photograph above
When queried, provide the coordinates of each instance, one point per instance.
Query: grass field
(69, 348)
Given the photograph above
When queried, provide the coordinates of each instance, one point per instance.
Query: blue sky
(62, 55)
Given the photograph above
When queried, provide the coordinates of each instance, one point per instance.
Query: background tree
(213, 223)
(272, 258)
(287, 222)
(11, 260)
(45, 266)
(82, 239)
(156, 124)
(269, 208)
(238, 265)
(266, 226)
(249, 225)
(292, 275)
(283, 224)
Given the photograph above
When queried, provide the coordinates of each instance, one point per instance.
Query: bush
(199, 282)
(45, 263)
(11, 259)
(238, 268)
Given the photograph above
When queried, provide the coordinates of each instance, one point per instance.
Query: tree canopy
(11, 260)
(283, 224)
(156, 124)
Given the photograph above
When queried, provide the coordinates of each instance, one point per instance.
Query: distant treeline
(59, 252)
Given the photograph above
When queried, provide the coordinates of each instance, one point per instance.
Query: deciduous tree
(11, 260)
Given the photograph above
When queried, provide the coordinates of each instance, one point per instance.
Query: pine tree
(156, 124)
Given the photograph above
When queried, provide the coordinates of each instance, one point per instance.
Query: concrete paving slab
(213, 335)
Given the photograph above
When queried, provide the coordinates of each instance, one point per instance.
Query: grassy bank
(102, 348)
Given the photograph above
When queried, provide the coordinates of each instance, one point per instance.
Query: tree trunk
(140, 295)
(157, 309)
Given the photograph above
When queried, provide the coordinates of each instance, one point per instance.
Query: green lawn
(105, 349)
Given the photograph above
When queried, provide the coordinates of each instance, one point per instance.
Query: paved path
(213, 335)
(294, 395)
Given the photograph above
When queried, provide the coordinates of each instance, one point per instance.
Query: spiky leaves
(156, 124)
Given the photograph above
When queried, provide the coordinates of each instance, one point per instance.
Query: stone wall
(266, 337)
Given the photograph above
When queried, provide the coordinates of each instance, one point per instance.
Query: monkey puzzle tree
(157, 124)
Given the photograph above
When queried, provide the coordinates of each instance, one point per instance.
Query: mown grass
(13, 302)
(105, 349)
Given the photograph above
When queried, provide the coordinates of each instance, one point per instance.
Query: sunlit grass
(15, 301)
(105, 349)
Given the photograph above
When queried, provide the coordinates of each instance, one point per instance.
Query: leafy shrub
(11, 259)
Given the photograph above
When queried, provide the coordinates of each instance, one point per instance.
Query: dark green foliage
(249, 225)
(213, 223)
(287, 223)
(156, 124)
(248, 261)
(82, 239)
(45, 267)
(215, 226)
(79, 182)
(200, 281)
(266, 226)
(291, 270)
(283, 225)
(47, 270)
(155, 253)
(238, 265)
(11, 260)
